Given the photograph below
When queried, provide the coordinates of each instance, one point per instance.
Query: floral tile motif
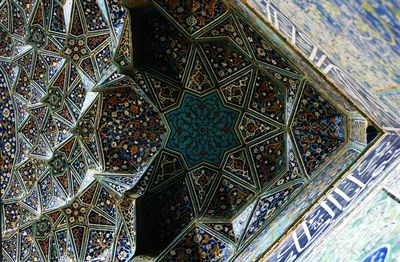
(269, 158)
(165, 214)
(225, 58)
(168, 166)
(229, 198)
(203, 179)
(225, 229)
(227, 28)
(131, 131)
(235, 91)
(202, 129)
(168, 95)
(50, 131)
(268, 98)
(318, 127)
(193, 15)
(238, 164)
(263, 50)
(199, 245)
(199, 79)
(266, 207)
(7, 129)
(165, 48)
(252, 127)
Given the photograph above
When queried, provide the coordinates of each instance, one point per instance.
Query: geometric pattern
(130, 131)
(212, 86)
(202, 129)
(204, 246)
(318, 128)
(58, 206)
(179, 147)
(193, 15)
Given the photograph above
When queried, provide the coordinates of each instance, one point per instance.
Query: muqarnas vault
(166, 130)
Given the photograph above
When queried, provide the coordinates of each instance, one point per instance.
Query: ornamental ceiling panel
(172, 131)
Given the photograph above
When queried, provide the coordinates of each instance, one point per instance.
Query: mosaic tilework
(55, 209)
(176, 146)
(130, 135)
(266, 207)
(318, 128)
(355, 184)
(269, 158)
(199, 79)
(229, 198)
(266, 95)
(7, 129)
(166, 48)
(203, 179)
(193, 15)
(382, 212)
(238, 164)
(199, 245)
(168, 212)
(235, 91)
(168, 166)
(168, 95)
(202, 129)
(252, 127)
(228, 28)
(225, 58)
(262, 50)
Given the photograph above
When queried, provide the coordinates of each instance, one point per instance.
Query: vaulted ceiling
(175, 131)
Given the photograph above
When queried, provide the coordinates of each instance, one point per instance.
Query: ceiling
(177, 133)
